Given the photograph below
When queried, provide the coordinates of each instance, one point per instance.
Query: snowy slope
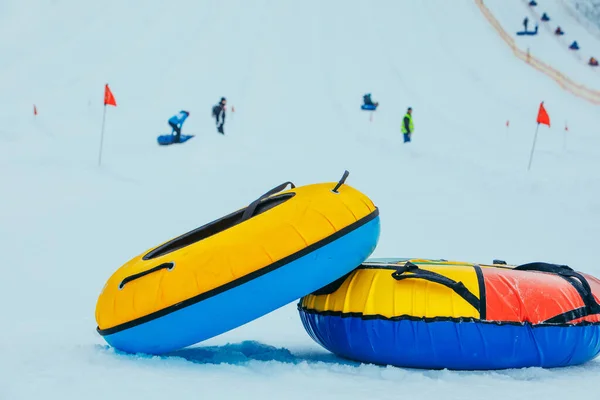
(295, 72)
(587, 12)
(548, 47)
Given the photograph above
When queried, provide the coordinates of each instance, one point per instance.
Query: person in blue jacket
(176, 122)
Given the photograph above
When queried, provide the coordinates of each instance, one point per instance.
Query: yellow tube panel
(373, 291)
(313, 214)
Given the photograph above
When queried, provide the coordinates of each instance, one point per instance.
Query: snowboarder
(218, 113)
(407, 125)
(176, 122)
(525, 23)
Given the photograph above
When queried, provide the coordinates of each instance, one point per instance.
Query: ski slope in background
(548, 47)
(296, 73)
(586, 12)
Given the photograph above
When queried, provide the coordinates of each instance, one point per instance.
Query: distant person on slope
(525, 23)
(407, 125)
(368, 101)
(176, 122)
(218, 113)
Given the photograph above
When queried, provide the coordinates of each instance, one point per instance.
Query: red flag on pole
(109, 99)
(543, 117)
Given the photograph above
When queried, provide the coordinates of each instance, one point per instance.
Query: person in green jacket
(407, 125)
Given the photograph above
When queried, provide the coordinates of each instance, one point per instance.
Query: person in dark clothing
(407, 125)
(525, 23)
(219, 114)
(368, 101)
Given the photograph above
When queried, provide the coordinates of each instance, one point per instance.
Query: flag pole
(565, 137)
(102, 136)
(533, 147)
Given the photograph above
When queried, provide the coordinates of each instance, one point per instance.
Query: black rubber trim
(242, 280)
(568, 316)
(133, 277)
(482, 293)
(391, 267)
(432, 319)
(458, 287)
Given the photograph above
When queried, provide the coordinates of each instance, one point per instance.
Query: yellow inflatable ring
(422, 313)
(238, 268)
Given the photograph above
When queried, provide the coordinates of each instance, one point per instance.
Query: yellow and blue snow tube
(446, 314)
(281, 247)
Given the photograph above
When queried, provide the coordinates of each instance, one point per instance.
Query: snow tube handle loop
(458, 287)
(580, 284)
(544, 267)
(168, 266)
(249, 212)
(562, 270)
(341, 181)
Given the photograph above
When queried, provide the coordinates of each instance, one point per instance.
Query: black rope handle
(169, 266)
(544, 267)
(576, 279)
(458, 287)
(562, 270)
(341, 182)
(249, 212)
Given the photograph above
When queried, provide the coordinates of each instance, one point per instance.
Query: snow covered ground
(585, 9)
(296, 73)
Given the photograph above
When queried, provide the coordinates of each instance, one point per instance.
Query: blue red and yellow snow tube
(440, 314)
(284, 245)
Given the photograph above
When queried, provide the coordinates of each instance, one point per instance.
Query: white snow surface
(588, 9)
(295, 73)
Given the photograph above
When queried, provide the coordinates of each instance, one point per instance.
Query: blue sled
(368, 107)
(533, 33)
(165, 140)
